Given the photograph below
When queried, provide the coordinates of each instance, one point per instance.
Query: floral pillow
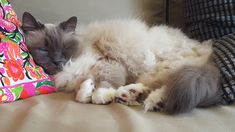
(20, 77)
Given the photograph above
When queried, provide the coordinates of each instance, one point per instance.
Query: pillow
(20, 77)
(207, 19)
(224, 56)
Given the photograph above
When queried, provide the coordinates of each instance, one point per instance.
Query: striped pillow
(206, 19)
(224, 56)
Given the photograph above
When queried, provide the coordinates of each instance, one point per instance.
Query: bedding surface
(58, 112)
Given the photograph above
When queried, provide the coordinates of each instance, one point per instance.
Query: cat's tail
(192, 87)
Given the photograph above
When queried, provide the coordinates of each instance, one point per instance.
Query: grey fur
(192, 87)
(109, 71)
(50, 45)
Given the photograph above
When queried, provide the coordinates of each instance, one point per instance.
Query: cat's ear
(29, 23)
(69, 25)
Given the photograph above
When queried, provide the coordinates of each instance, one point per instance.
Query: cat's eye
(46, 43)
(68, 46)
(43, 49)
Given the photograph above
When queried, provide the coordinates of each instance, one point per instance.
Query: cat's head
(51, 45)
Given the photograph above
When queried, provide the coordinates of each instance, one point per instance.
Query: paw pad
(132, 94)
(132, 91)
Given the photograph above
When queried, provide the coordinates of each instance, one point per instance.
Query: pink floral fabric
(20, 77)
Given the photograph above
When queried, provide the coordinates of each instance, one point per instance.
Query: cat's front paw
(103, 95)
(85, 91)
(63, 81)
(154, 102)
(133, 94)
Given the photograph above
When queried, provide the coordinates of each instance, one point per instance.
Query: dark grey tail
(192, 87)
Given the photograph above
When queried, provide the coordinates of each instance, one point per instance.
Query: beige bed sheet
(59, 113)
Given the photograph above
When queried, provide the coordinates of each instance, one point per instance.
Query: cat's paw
(85, 92)
(103, 95)
(62, 81)
(132, 94)
(154, 102)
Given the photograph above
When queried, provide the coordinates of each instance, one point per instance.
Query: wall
(86, 10)
(151, 11)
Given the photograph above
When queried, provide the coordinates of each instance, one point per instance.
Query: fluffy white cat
(128, 62)
(124, 60)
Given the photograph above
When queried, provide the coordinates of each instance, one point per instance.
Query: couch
(58, 112)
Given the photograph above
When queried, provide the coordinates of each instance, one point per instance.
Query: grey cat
(127, 62)
(50, 45)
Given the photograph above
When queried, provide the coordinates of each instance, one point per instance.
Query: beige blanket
(59, 113)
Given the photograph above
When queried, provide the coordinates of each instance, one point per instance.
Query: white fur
(149, 54)
(74, 72)
(103, 95)
(153, 99)
(132, 39)
(85, 92)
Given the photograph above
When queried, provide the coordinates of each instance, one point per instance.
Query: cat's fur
(128, 62)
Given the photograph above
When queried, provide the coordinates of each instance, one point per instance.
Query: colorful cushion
(20, 77)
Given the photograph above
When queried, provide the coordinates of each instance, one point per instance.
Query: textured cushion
(20, 77)
(206, 19)
(224, 56)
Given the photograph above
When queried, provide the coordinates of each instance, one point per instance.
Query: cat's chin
(52, 71)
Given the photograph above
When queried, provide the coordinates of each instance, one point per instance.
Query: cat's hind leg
(185, 89)
(108, 74)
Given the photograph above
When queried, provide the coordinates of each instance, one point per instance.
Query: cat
(51, 45)
(128, 62)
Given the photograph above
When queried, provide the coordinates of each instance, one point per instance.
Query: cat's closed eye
(69, 46)
(43, 49)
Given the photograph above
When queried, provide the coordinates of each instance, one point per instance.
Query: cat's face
(51, 45)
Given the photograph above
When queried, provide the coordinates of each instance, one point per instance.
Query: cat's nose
(59, 64)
